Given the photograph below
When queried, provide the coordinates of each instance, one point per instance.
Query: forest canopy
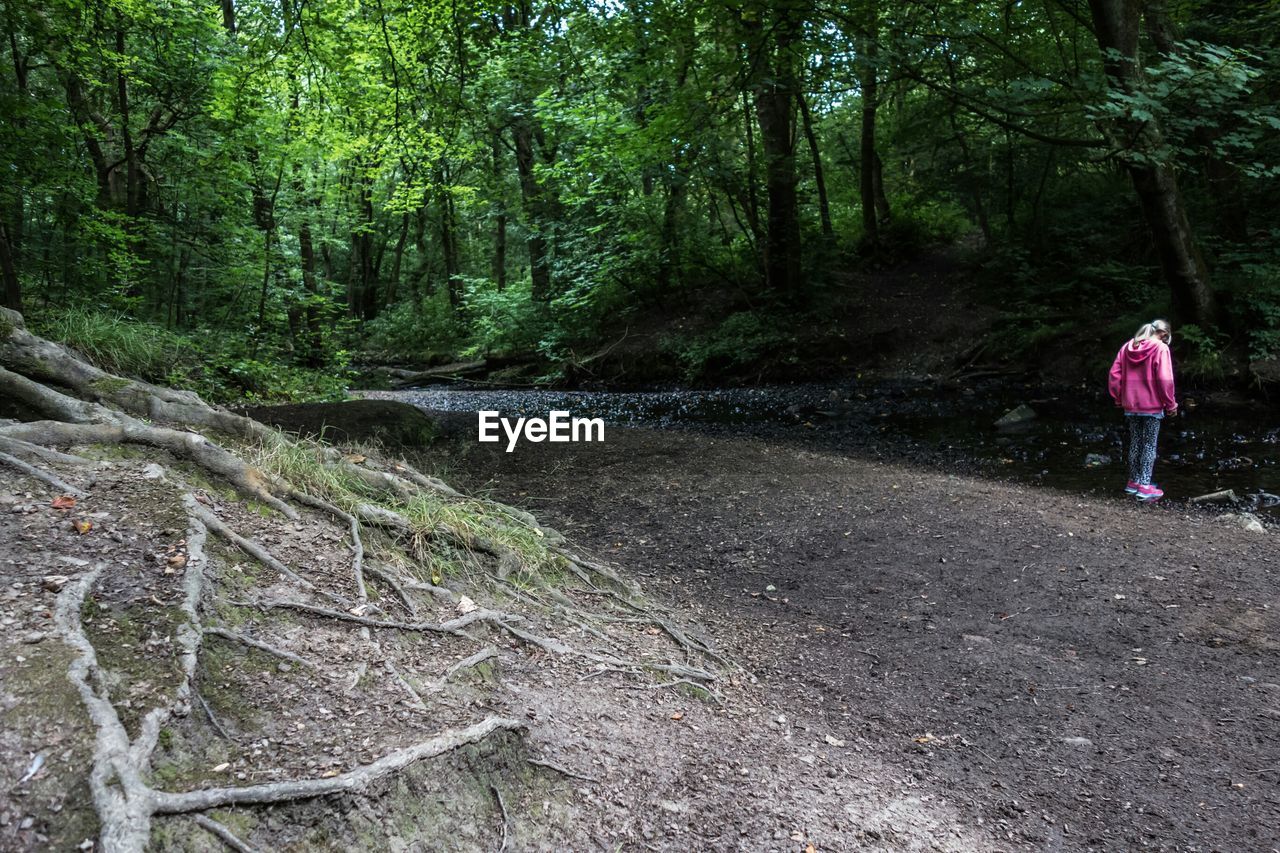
(272, 186)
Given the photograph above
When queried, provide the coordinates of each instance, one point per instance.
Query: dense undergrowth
(221, 367)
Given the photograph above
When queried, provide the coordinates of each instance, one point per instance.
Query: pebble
(1077, 741)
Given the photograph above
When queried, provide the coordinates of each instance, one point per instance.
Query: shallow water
(1075, 442)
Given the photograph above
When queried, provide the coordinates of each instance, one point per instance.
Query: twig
(225, 835)
(38, 474)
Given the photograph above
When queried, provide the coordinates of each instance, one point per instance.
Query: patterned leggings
(1143, 431)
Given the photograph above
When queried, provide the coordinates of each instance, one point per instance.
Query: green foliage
(1202, 353)
(117, 344)
(220, 370)
(742, 339)
(413, 330)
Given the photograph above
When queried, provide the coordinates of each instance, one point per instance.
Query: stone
(1020, 414)
(1245, 520)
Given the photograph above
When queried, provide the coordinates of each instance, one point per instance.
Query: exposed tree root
(40, 474)
(397, 586)
(502, 808)
(564, 771)
(416, 700)
(253, 549)
(261, 646)
(86, 406)
(36, 451)
(187, 445)
(124, 800)
(353, 524)
(223, 834)
(353, 781)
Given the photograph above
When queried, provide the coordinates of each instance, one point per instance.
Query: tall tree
(1118, 26)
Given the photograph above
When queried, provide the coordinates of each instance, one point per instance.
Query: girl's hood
(1139, 351)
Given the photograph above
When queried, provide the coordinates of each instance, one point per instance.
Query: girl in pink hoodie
(1141, 383)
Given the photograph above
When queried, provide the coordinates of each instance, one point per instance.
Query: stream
(1075, 442)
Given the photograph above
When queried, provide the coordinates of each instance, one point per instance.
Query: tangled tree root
(83, 406)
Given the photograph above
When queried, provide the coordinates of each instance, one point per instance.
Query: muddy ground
(1033, 669)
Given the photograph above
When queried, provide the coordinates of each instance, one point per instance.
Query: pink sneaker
(1132, 488)
(1147, 494)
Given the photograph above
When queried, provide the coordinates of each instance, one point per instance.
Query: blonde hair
(1155, 329)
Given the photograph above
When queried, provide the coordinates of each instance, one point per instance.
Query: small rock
(1077, 741)
(976, 640)
(153, 472)
(54, 583)
(1096, 460)
(33, 637)
(1245, 520)
(1019, 414)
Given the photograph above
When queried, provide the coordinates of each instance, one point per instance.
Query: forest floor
(1025, 667)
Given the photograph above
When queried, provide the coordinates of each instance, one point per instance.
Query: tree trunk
(532, 193)
(9, 271)
(776, 94)
(306, 249)
(363, 288)
(500, 221)
(449, 245)
(824, 207)
(869, 84)
(1116, 25)
(397, 259)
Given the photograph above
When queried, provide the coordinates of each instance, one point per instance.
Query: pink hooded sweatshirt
(1142, 378)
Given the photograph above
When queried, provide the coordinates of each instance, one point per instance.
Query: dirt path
(1056, 672)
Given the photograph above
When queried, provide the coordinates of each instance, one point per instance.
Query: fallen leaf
(221, 767)
(678, 715)
(652, 631)
(329, 774)
(81, 526)
(809, 848)
(925, 738)
(178, 561)
(63, 502)
(355, 458)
